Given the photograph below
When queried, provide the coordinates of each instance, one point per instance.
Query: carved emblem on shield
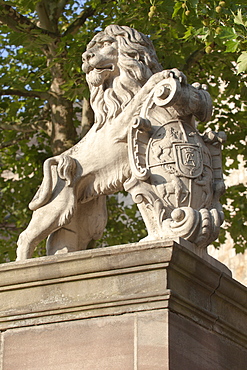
(189, 159)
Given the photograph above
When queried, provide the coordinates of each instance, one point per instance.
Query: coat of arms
(189, 159)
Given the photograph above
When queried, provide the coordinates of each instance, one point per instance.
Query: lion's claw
(175, 73)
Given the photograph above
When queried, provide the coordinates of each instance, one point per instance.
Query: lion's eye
(106, 43)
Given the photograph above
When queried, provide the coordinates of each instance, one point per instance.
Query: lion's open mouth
(105, 68)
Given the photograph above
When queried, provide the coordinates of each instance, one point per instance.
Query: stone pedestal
(146, 306)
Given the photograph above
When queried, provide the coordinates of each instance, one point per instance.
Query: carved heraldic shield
(189, 160)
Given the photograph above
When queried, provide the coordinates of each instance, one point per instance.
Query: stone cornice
(120, 279)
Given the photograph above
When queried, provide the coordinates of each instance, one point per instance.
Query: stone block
(144, 306)
(198, 348)
(100, 343)
(152, 340)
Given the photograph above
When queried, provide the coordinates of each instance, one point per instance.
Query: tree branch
(9, 143)
(193, 59)
(60, 7)
(78, 22)
(25, 93)
(19, 23)
(15, 127)
(9, 226)
(46, 18)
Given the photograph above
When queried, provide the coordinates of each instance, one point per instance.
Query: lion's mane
(137, 62)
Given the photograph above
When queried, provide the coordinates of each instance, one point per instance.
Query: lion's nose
(87, 55)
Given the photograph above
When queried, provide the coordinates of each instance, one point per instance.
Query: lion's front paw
(175, 73)
(165, 74)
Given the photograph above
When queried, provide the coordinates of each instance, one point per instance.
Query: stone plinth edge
(123, 279)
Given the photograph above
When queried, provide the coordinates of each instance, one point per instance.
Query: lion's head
(118, 62)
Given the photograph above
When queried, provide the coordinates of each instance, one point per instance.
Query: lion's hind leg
(38, 229)
(25, 248)
(45, 221)
(87, 224)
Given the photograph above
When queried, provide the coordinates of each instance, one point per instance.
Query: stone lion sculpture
(145, 141)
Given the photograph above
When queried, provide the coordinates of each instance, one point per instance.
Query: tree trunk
(87, 118)
(63, 133)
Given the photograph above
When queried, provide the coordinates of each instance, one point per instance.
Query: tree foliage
(42, 88)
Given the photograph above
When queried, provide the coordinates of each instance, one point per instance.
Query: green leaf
(232, 46)
(242, 62)
(227, 33)
(238, 19)
(177, 7)
(188, 33)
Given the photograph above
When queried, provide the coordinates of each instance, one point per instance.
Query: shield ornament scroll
(189, 159)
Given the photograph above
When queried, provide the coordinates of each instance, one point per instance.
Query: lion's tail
(66, 167)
